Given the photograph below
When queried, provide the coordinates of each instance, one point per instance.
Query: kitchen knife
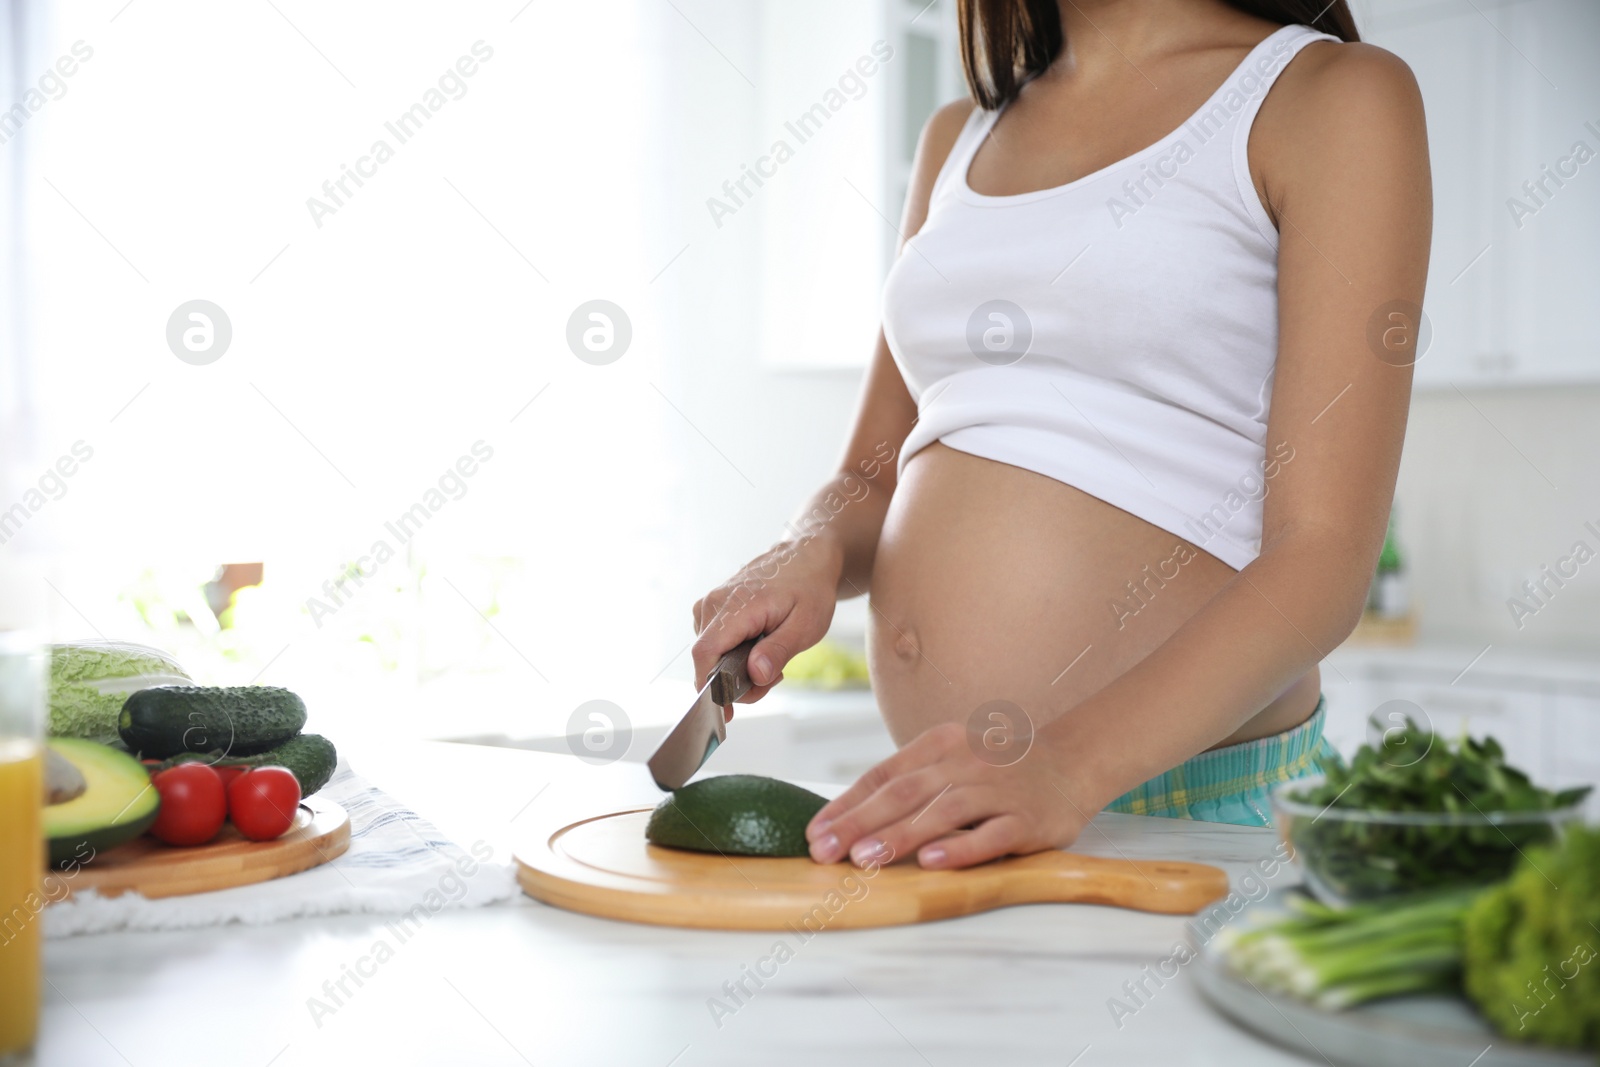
(704, 726)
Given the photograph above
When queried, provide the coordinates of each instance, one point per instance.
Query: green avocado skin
(736, 814)
(84, 847)
(118, 805)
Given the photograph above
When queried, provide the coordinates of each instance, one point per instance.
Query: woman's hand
(919, 799)
(787, 593)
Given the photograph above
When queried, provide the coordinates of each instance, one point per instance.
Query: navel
(906, 647)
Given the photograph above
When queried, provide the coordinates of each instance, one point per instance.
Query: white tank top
(1117, 333)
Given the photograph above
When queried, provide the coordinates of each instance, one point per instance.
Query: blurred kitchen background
(225, 511)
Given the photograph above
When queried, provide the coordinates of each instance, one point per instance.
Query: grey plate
(1420, 1031)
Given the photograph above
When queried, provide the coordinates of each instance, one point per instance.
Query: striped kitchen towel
(396, 863)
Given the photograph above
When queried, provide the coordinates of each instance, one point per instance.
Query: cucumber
(311, 758)
(240, 721)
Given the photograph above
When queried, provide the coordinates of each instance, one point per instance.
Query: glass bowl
(1347, 855)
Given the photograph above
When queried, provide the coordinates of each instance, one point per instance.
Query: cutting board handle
(1171, 887)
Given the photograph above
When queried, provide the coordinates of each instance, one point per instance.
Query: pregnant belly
(995, 583)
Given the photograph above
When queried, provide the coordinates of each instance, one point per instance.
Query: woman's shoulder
(939, 137)
(1332, 81)
(1348, 100)
(943, 129)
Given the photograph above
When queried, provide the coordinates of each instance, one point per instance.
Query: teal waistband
(1233, 784)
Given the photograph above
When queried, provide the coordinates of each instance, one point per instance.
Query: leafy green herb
(1413, 770)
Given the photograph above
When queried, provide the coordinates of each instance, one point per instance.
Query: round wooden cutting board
(603, 866)
(321, 832)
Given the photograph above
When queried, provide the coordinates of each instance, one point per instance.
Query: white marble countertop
(530, 984)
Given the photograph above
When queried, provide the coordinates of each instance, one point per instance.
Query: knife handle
(730, 680)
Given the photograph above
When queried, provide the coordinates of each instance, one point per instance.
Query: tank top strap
(955, 165)
(1251, 83)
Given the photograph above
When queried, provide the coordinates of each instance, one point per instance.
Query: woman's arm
(788, 592)
(1342, 142)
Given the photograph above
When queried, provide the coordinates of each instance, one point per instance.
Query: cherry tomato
(228, 774)
(262, 802)
(193, 804)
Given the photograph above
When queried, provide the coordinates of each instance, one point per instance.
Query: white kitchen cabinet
(1573, 757)
(1510, 89)
(1515, 718)
(1456, 58)
(1545, 711)
(1552, 257)
(1350, 704)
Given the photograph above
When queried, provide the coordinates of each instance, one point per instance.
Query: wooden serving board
(321, 832)
(604, 866)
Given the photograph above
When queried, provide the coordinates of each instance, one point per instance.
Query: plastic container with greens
(1393, 823)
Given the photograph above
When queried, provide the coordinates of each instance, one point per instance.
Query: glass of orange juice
(21, 841)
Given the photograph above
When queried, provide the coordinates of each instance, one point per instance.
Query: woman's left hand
(921, 797)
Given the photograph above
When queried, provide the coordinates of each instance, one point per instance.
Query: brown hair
(1004, 43)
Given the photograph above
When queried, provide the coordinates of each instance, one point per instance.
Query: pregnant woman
(1126, 450)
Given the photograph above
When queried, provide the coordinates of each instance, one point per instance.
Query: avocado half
(736, 814)
(117, 806)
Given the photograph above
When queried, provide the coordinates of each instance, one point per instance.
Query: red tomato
(193, 804)
(262, 802)
(228, 774)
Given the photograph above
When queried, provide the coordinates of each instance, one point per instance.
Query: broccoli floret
(1531, 950)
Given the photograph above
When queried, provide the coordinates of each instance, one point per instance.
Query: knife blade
(704, 726)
